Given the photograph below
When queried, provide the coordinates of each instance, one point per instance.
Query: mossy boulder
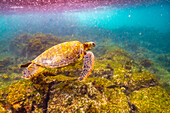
(120, 67)
(89, 96)
(117, 84)
(5, 63)
(20, 97)
(2, 109)
(67, 94)
(153, 99)
(30, 46)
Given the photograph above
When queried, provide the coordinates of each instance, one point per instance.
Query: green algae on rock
(118, 84)
(20, 97)
(28, 45)
(120, 67)
(7, 79)
(5, 63)
(66, 95)
(75, 96)
(2, 109)
(153, 99)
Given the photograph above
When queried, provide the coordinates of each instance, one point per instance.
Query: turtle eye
(94, 44)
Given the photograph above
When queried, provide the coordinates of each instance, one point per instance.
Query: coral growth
(164, 60)
(32, 45)
(146, 63)
(5, 62)
(117, 84)
(153, 99)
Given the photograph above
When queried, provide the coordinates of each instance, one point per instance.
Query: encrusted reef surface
(118, 83)
(20, 50)
(28, 45)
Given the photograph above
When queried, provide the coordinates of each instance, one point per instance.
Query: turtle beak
(89, 45)
(92, 45)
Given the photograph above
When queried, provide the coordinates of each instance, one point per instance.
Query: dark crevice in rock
(151, 83)
(32, 107)
(83, 90)
(128, 90)
(98, 87)
(133, 108)
(93, 96)
(11, 108)
(47, 98)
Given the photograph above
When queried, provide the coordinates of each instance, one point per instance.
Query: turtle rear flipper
(87, 66)
(31, 70)
(25, 65)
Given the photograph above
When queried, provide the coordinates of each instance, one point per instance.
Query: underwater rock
(20, 97)
(9, 65)
(7, 79)
(146, 63)
(69, 95)
(9, 71)
(28, 45)
(5, 62)
(2, 109)
(75, 96)
(164, 60)
(116, 85)
(18, 43)
(153, 99)
(106, 65)
(120, 68)
(5, 76)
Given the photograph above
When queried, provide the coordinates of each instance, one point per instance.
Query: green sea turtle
(62, 55)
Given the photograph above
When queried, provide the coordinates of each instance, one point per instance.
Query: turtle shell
(61, 55)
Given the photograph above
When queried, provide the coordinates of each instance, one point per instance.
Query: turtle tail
(32, 70)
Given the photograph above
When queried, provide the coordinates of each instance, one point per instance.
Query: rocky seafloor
(118, 83)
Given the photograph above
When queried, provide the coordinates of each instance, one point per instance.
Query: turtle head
(89, 45)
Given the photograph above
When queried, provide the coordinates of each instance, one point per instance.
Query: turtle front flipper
(87, 66)
(31, 70)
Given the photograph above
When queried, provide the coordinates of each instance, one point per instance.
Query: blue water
(154, 16)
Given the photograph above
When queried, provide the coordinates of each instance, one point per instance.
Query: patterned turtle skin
(62, 55)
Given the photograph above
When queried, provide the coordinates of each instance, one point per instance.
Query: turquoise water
(154, 16)
(132, 27)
